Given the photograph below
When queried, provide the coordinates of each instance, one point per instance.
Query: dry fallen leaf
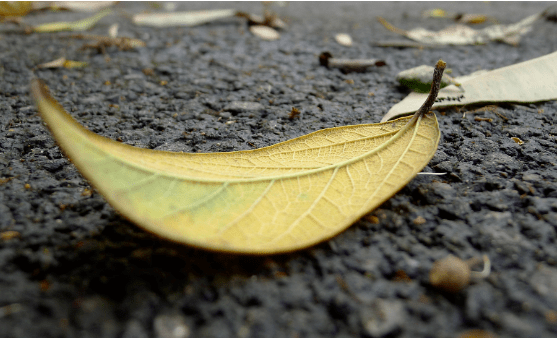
(63, 63)
(264, 32)
(464, 35)
(529, 81)
(15, 8)
(189, 19)
(76, 6)
(76, 26)
(274, 199)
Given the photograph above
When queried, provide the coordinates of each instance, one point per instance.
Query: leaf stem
(434, 91)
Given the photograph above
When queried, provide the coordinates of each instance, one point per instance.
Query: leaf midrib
(134, 165)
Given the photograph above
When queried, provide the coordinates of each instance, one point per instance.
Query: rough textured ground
(78, 269)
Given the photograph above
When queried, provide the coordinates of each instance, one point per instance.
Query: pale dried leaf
(529, 81)
(464, 35)
(113, 30)
(264, 32)
(274, 199)
(346, 40)
(189, 19)
(63, 63)
(76, 26)
(76, 6)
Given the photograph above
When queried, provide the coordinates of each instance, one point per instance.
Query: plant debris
(459, 17)
(347, 65)
(76, 26)
(507, 84)
(187, 19)
(517, 140)
(268, 19)
(76, 6)
(419, 80)
(15, 8)
(464, 35)
(294, 113)
(63, 63)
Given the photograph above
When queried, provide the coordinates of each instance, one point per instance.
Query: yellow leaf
(76, 26)
(63, 62)
(275, 199)
(15, 8)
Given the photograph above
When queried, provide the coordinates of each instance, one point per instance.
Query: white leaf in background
(182, 18)
(529, 81)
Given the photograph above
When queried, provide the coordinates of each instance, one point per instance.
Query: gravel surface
(75, 268)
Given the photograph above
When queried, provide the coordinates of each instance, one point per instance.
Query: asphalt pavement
(71, 266)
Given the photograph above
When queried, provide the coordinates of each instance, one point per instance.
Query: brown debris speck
(419, 220)
(294, 113)
(372, 219)
(7, 235)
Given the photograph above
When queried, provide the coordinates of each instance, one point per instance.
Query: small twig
(391, 27)
(357, 65)
(434, 91)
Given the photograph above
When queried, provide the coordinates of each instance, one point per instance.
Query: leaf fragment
(274, 199)
(264, 32)
(76, 6)
(76, 26)
(15, 8)
(344, 40)
(464, 35)
(63, 63)
(529, 81)
(188, 19)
